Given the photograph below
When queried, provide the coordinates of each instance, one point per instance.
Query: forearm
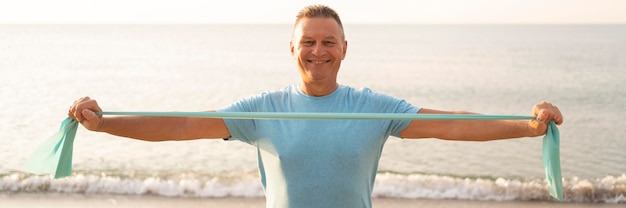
(486, 130)
(467, 130)
(145, 128)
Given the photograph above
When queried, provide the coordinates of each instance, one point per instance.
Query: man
(315, 163)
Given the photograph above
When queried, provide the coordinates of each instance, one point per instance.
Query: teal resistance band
(323, 116)
(54, 156)
(552, 160)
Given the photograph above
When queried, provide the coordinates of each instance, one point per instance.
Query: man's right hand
(83, 111)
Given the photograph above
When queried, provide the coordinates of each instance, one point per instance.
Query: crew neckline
(299, 90)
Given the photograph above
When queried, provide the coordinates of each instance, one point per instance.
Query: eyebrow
(325, 38)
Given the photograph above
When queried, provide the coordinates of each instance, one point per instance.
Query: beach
(490, 69)
(35, 200)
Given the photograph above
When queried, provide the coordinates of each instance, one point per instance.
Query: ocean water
(490, 69)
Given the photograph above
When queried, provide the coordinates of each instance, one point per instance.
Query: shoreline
(41, 200)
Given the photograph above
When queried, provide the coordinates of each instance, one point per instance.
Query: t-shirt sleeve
(241, 129)
(390, 104)
(398, 125)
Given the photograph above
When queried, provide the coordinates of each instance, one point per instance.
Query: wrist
(536, 128)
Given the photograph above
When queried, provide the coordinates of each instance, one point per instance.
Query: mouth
(312, 61)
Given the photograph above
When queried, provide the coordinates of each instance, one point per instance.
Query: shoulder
(272, 93)
(264, 99)
(365, 92)
(368, 97)
(381, 101)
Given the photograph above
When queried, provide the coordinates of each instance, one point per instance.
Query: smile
(318, 61)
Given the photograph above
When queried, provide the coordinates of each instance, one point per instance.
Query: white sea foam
(609, 189)
(244, 185)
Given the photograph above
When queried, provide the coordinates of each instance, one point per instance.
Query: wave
(609, 189)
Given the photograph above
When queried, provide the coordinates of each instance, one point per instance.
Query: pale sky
(283, 11)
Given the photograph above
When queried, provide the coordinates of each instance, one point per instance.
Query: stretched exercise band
(324, 116)
(54, 156)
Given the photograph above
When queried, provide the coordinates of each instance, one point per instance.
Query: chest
(295, 141)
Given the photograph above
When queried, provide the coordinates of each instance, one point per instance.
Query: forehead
(318, 27)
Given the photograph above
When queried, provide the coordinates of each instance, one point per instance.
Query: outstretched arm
(145, 127)
(482, 130)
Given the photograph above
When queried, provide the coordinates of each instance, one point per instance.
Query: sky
(283, 11)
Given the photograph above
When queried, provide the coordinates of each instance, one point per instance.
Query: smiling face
(318, 47)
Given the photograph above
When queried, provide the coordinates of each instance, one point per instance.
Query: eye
(308, 42)
(329, 43)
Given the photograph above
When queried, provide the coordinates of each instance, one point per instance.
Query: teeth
(318, 62)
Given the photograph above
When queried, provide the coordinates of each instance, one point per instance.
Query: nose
(318, 49)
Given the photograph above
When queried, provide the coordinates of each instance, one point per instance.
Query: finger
(543, 116)
(83, 99)
(76, 112)
(78, 106)
(547, 115)
(546, 111)
(70, 112)
(538, 107)
(558, 118)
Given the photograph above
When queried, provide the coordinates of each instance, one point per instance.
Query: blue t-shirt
(318, 163)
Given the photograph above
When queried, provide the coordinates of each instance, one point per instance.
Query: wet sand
(35, 200)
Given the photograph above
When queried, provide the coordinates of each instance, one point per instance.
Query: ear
(345, 49)
(291, 48)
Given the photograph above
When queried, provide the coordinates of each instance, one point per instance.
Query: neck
(318, 90)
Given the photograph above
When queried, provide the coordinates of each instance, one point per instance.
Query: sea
(488, 69)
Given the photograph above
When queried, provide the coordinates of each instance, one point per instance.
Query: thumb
(90, 120)
(538, 127)
(543, 116)
(89, 115)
